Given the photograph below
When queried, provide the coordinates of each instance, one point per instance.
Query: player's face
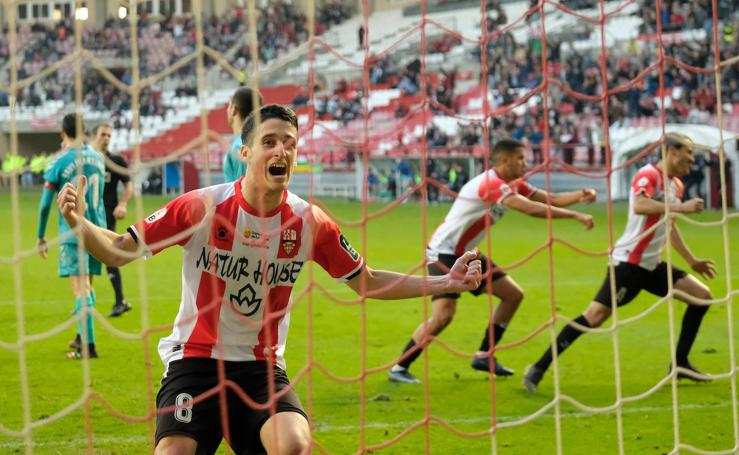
(102, 138)
(230, 114)
(516, 163)
(271, 156)
(682, 160)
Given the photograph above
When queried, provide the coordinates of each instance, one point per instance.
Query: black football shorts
(631, 279)
(186, 379)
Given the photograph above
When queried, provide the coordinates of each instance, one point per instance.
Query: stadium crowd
(161, 43)
(514, 69)
(286, 27)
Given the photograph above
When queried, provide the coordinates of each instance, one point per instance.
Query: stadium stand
(514, 71)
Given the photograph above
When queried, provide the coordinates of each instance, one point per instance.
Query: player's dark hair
(678, 141)
(270, 111)
(243, 100)
(505, 146)
(102, 125)
(69, 125)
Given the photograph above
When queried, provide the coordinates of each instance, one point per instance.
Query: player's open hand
(694, 205)
(705, 267)
(586, 220)
(466, 273)
(588, 195)
(71, 201)
(43, 248)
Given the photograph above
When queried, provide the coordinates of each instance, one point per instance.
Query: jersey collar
(251, 210)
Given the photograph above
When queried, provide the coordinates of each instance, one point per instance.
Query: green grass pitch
(345, 338)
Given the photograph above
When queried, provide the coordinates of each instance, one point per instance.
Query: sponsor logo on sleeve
(156, 215)
(348, 248)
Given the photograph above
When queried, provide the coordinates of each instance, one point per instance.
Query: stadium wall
(29, 144)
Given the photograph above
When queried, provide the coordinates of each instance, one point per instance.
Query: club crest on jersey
(289, 241)
(156, 215)
(348, 248)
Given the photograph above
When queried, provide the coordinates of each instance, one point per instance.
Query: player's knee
(597, 314)
(175, 445)
(295, 444)
(516, 296)
(703, 293)
(597, 321)
(442, 320)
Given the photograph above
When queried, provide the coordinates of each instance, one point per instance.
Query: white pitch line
(379, 425)
(501, 419)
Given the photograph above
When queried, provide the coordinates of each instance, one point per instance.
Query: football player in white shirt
(637, 259)
(481, 203)
(244, 245)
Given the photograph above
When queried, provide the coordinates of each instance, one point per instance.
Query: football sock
(77, 310)
(498, 331)
(691, 323)
(566, 337)
(412, 356)
(78, 306)
(88, 323)
(114, 274)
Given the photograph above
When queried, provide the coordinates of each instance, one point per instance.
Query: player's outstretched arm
(704, 267)
(540, 210)
(103, 244)
(644, 205)
(566, 199)
(47, 198)
(465, 275)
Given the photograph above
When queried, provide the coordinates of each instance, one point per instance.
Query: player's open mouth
(277, 169)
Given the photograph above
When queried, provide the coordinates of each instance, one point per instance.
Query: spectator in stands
(694, 179)
(407, 85)
(373, 182)
(392, 185)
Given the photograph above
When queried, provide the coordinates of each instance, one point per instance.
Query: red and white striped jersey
(636, 246)
(239, 268)
(478, 204)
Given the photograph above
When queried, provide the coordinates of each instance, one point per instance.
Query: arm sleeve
(493, 189)
(524, 189)
(645, 182)
(120, 161)
(179, 215)
(51, 177)
(331, 250)
(47, 198)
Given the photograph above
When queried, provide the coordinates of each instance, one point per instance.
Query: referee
(115, 209)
